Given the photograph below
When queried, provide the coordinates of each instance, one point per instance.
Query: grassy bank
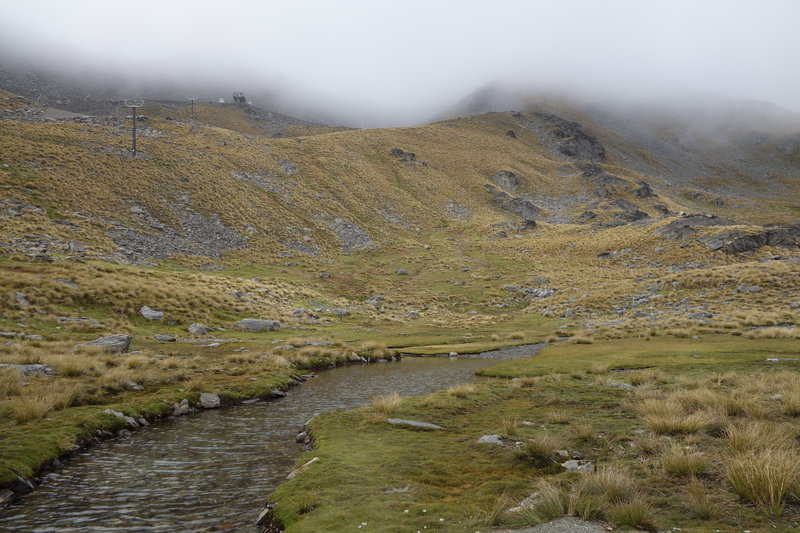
(46, 417)
(701, 444)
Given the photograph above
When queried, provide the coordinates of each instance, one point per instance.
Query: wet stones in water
(209, 400)
(130, 422)
(183, 408)
(151, 314)
(414, 424)
(112, 343)
(256, 325)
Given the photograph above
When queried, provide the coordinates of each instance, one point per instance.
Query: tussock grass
(697, 501)
(553, 501)
(680, 460)
(462, 390)
(764, 477)
(671, 418)
(582, 430)
(537, 452)
(558, 417)
(615, 485)
(9, 382)
(648, 443)
(387, 404)
(638, 514)
(754, 435)
(773, 333)
(37, 404)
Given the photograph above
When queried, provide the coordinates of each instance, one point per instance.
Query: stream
(214, 470)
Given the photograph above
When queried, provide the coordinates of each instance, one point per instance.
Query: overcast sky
(412, 56)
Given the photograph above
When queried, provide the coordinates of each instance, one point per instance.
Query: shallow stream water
(211, 471)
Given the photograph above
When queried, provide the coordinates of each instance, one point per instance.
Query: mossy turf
(632, 353)
(396, 479)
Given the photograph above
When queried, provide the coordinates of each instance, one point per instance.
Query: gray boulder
(256, 324)
(491, 439)
(164, 337)
(112, 343)
(199, 329)
(209, 400)
(151, 314)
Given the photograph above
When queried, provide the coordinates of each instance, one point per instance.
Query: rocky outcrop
(507, 180)
(684, 227)
(402, 155)
(352, 236)
(569, 138)
(735, 242)
(518, 206)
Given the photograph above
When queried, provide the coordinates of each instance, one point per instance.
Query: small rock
(20, 485)
(491, 439)
(209, 400)
(747, 288)
(578, 466)
(164, 337)
(213, 345)
(412, 423)
(124, 433)
(617, 385)
(576, 455)
(302, 438)
(701, 315)
(67, 282)
(324, 275)
(199, 329)
(151, 314)
(561, 454)
(6, 496)
(401, 272)
(22, 299)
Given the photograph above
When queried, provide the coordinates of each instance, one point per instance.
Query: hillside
(548, 222)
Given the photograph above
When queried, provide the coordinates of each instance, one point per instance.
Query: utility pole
(134, 104)
(192, 99)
